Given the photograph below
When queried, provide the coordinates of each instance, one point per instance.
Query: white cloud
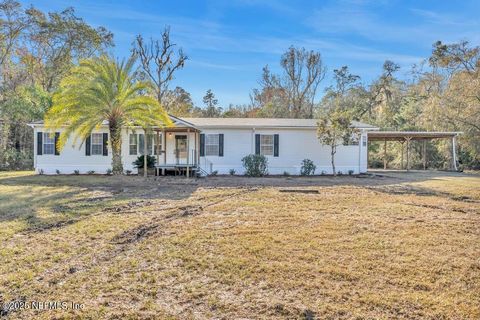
(360, 18)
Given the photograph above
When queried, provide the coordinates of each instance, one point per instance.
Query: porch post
(164, 147)
(158, 148)
(145, 153)
(368, 152)
(195, 148)
(198, 148)
(188, 153)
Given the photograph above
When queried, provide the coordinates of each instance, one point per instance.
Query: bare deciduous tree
(159, 61)
(12, 23)
(302, 73)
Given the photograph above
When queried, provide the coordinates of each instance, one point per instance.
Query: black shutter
(257, 144)
(39, 143)
(202, 145)
(57, 135)
(105, 144)
(275, 145)
(87, 146)
(220, 145)
(141, 143)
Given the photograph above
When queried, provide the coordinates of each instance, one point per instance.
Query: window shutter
(257, 144)
(105, 144)
(220, 145)
(57, 151)
(202, 145)
(39, 143)
(275, 145)
(87, 145)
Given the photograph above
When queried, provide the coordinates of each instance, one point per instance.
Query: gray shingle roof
(262, 123)
(252, 123)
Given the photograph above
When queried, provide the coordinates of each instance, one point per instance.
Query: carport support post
(424, 153)
(385, 155)
(408, 152)
(401, 159)
(454, 153)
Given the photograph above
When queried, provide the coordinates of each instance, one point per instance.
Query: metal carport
(407, 136)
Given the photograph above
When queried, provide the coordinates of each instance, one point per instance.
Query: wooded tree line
(442, 93)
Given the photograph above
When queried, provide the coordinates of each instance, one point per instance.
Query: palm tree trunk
(116, 140)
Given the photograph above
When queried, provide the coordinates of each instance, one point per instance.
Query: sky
(229, 42)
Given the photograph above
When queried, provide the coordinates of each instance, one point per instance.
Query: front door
(181, 149)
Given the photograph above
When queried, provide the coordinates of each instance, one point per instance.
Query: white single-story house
(205, 145)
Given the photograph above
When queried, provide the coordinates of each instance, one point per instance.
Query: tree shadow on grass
(71, 198)
(48, 202)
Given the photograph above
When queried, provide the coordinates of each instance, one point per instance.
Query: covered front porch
(177, 149)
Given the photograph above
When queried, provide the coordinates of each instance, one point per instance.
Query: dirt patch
(135, 234)
(128, 207)
(403, 190)
(41, 227)
(293, 312)
(299, 190)
(192, 210)
(464, 199)
(429, 206)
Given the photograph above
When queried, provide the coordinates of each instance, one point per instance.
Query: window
(155, 144)
(212, 144)
(266, 144)
(48, 143)
(97, 143)
(141, 143)
(133, 144)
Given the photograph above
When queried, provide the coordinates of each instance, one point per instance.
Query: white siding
(295, 145)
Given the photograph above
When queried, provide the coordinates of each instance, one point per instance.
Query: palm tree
(103, 88)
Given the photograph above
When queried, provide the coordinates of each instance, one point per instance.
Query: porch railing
(191, 160)
(206, 166)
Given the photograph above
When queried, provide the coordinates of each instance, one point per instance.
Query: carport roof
(412, 135)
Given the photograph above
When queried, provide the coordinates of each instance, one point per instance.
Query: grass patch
(397, 246)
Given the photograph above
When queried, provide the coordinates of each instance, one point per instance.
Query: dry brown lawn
(396, 246)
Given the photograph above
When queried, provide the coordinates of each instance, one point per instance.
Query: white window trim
(160, 144)
(96, 144)
(267, 144)
(216, 144)
(130, 144)
(48, 135)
